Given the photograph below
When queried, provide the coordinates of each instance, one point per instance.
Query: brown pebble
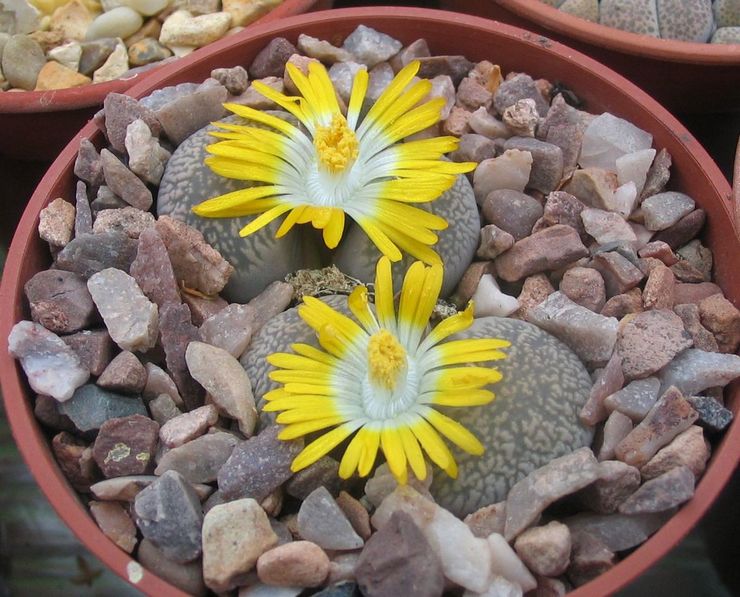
(296, 564)
(356, 513)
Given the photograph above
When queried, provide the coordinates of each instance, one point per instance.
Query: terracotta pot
(600, 88)
(683, 76)
(36, 125)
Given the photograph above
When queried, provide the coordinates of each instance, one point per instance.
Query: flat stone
(511, 171)
(590, 558)
(199, 460)
(75, 460)
(356, 513)
(87, 165)
(662, 493)
(147, 50)
(617, 532)
(658, 174)
(106, 199)
(594, 187)
(124, 373)
(125, 183)
(547, 162)
(549, 249)
(493, 242)
(56, 222)
(59, 300)
(194, 261)
(518, 87)
(187, 577)
(120, 111)
(545, 550)
(562, 208)
(474, 148)
(57, 76)
(321, 520)
(616, 482)
(684, 230)
(324, 472)
(231, 328)
(485, 124)
(713, 417)
(562, 476)
(130, 317)
(659, 250)
(270, 62)
(584, 286)
(300, 563)
(126, 445)
(51, 367)
(94, 54)
(185, 115)
(671, 415)
(688, 449)
(152, 269)
(183, 29)
(399, 560)
(121, 489)
(619, 274)
(168, 513)
(471, 95)
(177, 332)
(83, 212)
(608, 138)
(636, 399)
(512, 211)
(323, 50)
(650, 340)
(623, 304)
(663, 210)
(202, 307)
(225, 381)
(722, 318)
(94, 348)
(609, 380)
(606, 226)
(235, 535)
(159, 382)
(115, 523)
(616, 428)
(257, 466)
(590, 335)
(234, 79)
(186, 427)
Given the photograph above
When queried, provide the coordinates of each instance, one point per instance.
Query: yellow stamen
(386, 359)
(336, 145)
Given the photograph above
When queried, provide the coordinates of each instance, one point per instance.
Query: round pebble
(119, 22)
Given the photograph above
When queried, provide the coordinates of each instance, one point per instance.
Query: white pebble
(146, 7)
(490, 301)
(119, 22)
(505, 562)
(633, 167)
(508, 171)
(608, 138)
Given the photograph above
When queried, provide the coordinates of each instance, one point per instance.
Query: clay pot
(478, 39)
(683, 76)
(36, 125)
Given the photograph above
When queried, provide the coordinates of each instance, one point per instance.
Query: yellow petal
(466, 398)
(352, 454)
(334, 229)
(314, 353)
(309, 413)
(392, 92)
(413, 453)
(392, 446)
(286, 360)
(455, 432)
(322, 446)
(369, 452)
(433, 445)
(356, 98)
(359, 305)
(300, 429)
(384, 294)
(263, 117)
(451, 325)
(264, 219)
(465, 378)
(290, 220)
(379, 238)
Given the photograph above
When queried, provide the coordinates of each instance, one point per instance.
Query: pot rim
(670, 50)
(34, 446)
(85, 96)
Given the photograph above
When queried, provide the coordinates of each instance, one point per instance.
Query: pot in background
(683, 76)
(36, 125)
(514, 49)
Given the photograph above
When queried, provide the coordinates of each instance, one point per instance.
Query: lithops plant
(685, 20)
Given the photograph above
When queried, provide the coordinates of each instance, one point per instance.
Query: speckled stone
(689, 449)
(94, 348)
(357, 256)
(187, 114)
(686, 21)
(662, 493)
(636, 399)
(547, 415)
(92, 406)
(369, 46)
(92, 253)
(257, 259)
(636, 16)
(125, 446)
(521, 86)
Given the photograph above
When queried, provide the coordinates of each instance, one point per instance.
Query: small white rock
(119, 22)
(607, 138)
(115, 65)
(505, 562)
(183, 29)
(489, 300)
(67, 55)
(633, 167)
(623, 200)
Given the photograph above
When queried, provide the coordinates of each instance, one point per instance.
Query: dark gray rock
(94, 54)
(91, 406)
(521, 86)
(60, 301)
(153, 271)
(322, 473)
(455, 67)
(662, 493)
(125, 183)
(185, 115)
(177, 332)
(512, 211)
(321, 520)
(168, 513)
(83, 212)
(92, 253)
(270, 62)
(712, 415)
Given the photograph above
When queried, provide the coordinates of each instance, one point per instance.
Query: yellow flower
(342, 165)
(382, 377)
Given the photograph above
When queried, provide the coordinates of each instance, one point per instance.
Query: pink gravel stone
(176, 333)
(126, 445)
(75, 459)
(636, 399)
(623, 304)
(272, 300)
(659, 289)
(56, 222)
(619, 274)
(188, 426)
(590, 558)
(545, 550)
(153, 271)
(721, 318)
(661, 493)
(562, 476)
(703, 339)
(231, 328)
(609, 381)
(124, 373)
(689, 449)
(695, 293)
(648, 341)
(115, 522)
(297, 564)
(659, 250)
(616, 482)
(201, 308)
(534, 291)
(671, 415)
(584, 286)
(487, 520)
